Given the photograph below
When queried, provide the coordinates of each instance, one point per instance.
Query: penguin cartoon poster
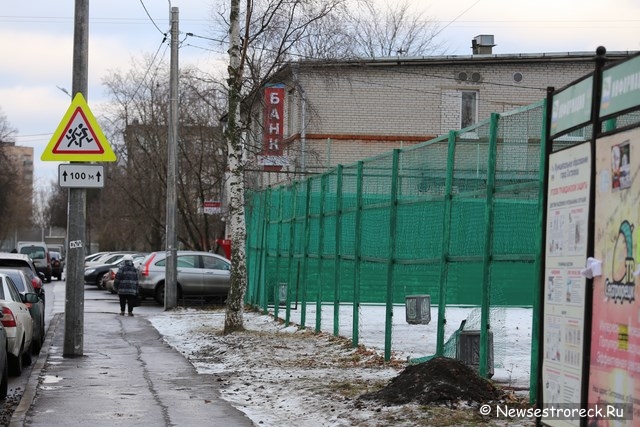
(614, 371)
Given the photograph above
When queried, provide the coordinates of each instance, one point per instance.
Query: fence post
(357, 258)
(305, 255)
(291, 256)
(323, 193)
(338, 236)
(258, 260)
(446, 242)
(265, 252)
(488, 244)
(391, 254)
(545, 150)
(276, 298)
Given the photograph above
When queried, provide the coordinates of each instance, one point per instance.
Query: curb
(18, 417)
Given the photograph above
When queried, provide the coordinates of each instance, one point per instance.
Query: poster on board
(564, 294)
(614, 370)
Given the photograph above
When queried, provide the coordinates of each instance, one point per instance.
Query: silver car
(200, 274)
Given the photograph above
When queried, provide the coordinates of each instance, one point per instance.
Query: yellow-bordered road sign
(78, 137)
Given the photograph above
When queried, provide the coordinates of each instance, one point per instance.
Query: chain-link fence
(454, 222)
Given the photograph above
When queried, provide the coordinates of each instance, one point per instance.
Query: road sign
(211, 207)
(78, 137)
(81, 176)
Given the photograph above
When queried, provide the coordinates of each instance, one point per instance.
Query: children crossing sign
(78, 137)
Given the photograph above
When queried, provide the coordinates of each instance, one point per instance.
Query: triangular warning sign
(78, 137)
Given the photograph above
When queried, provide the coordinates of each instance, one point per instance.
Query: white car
(18, 324)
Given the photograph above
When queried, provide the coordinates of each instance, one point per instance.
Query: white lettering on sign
(273, 124)
(572, 106)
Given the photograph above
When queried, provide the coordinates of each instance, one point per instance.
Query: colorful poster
(564, 301)
(614, 372)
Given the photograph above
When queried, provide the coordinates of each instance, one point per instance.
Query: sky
(36, 45)
(276, 384)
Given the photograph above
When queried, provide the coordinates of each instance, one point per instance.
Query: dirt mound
(439, 380)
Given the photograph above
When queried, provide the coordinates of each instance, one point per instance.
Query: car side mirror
(30, 297)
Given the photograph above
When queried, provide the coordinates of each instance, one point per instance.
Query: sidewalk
(127, 376)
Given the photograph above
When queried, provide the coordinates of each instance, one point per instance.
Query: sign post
(79, 139)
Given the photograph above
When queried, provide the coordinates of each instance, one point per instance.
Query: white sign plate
(81, 176)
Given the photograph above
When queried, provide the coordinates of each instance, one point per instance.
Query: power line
(456, 18)
(151, 19)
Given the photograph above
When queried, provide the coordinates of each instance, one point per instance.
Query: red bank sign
(272, 157)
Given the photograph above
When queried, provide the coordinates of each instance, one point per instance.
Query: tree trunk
(235, 184)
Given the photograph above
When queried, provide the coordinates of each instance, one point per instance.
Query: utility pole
(76, 222)
(171, 273)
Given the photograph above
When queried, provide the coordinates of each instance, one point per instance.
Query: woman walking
(126, 283)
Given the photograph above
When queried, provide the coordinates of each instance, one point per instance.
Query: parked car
(109, 276)
(24, 263)
(57, 264)
(39, 253)
(4, 364)
(107, 258)
(94, 256)
(18, 323)
(24, 286)
(200, 274)
(94, 272)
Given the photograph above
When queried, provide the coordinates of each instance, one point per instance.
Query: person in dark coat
(126, 283)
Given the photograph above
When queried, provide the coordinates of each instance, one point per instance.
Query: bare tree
(134, 198)
(6, 130)
(266, 34)
(395, 30)
(15, 208)
(261, 38)
(57, 205)
(235, 184)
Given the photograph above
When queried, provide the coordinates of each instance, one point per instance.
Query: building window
(469, 109)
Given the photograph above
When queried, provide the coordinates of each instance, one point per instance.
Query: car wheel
(15, 365)
(160, 293)
(26, 356)
(37, 344)
(4, 384)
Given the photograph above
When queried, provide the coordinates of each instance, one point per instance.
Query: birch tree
(264, 35)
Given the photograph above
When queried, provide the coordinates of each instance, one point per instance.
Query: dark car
(24, 263)
(93, 275)
(24, 286)
(57, 264)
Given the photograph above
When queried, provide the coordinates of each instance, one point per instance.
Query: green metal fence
(457, 218)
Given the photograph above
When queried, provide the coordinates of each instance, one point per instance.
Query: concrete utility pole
(171, 273)
(76, 221)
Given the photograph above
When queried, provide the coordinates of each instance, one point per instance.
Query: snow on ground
(282, 375)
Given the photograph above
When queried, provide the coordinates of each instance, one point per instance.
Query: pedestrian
(126, 283)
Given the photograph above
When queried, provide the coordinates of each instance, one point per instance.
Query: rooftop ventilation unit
(482, 44)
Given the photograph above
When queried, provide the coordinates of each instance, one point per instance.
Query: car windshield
(34, 252)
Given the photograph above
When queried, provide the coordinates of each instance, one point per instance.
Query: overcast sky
(36, 45)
